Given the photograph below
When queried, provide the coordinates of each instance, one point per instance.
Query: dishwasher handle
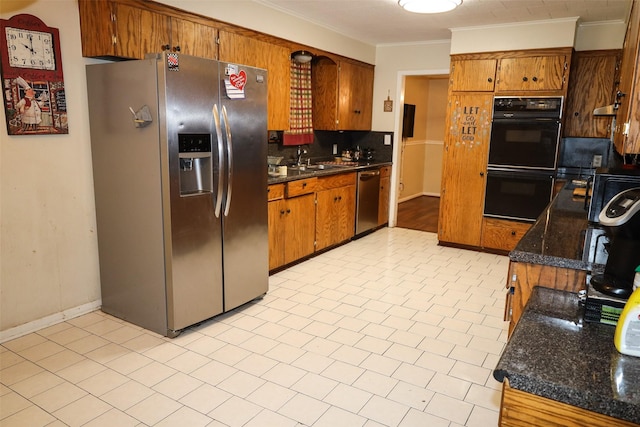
(369, 174)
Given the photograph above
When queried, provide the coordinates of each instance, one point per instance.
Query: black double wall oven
(523, 151)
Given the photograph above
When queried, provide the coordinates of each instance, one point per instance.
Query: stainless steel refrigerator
(179, 166)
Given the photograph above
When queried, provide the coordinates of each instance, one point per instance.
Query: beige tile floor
(388, 330)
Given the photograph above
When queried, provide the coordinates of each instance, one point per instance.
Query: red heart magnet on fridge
(238, 80)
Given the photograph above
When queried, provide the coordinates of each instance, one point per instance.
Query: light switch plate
(387, 139)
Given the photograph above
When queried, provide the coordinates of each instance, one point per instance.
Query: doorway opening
(420, 151)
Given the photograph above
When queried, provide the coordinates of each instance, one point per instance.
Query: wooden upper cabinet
(627, 132)
(193, 38)
(592, 85)
(355, 99)
(109, 29)
(124, 30)
(473, 75)
(324, 93)
(342, 95)
(534, 73)
(275, 59)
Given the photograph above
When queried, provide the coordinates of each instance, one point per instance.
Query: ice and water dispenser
(196, 175)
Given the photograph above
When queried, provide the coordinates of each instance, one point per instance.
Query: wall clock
(32, 79)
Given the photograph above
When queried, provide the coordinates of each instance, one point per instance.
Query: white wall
(49, 257)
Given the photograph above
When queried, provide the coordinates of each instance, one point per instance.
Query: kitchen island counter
(557, 237)
(553, 354)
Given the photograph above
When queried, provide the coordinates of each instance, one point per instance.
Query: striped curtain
(301, 117)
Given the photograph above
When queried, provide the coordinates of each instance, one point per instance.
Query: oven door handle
(519, 120)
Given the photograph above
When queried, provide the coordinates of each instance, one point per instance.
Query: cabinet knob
(281, 211)
(525, 79)
(176, 48)
(165, 47)
(288, 211)
(304, 184)
(340, 198)
(576, 114)
(535, 79)
(489, 79)
(481, 173)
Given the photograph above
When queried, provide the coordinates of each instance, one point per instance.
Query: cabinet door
(110, 29)
(324, 84)
(592, 85)
(326, 226)
(531, 73)
(299, 227)
(473, 75)
(628, 140)
(464, 168)
(355, 96)
(345, 213)
(193, 38)
(502, 234)
(383, 203)
(157, 36)
(276, 212)
(276, 59)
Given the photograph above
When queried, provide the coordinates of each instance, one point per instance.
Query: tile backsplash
(322, 147)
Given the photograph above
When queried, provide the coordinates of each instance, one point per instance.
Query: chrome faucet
(299, 154)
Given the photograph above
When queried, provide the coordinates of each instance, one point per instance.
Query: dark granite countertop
(553, 354)
(293, 175)
(557, 237)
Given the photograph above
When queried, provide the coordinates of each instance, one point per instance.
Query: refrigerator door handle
(221, 163)
(227, 203)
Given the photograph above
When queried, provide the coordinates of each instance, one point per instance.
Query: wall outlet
(387, 139)
(597, 161)
(335, 148)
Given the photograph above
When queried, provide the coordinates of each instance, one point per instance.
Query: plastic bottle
(627, 336)
(636, 279)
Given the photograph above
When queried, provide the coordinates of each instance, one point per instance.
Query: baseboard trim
(415, 196)
(47, 321)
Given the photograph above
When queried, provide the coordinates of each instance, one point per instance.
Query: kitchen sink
(318, 166)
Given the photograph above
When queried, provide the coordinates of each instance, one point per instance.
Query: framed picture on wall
(32, 79)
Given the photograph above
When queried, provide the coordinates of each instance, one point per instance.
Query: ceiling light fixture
(302, 56)
(429, 6)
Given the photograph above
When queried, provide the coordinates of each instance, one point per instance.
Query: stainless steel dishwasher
(368, 195)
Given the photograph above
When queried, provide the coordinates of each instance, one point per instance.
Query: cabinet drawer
(502, 234)
(336, 181)
(275, 192)
(300, 187)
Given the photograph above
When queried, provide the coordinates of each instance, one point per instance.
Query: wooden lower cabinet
(502, 234)
(291, 227)
(524, 276)
(383, 201)
(521, 409)
(335, 209)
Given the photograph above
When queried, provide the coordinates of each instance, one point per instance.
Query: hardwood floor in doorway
(420, 213)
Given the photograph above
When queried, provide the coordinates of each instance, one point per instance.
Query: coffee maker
(621, 221)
